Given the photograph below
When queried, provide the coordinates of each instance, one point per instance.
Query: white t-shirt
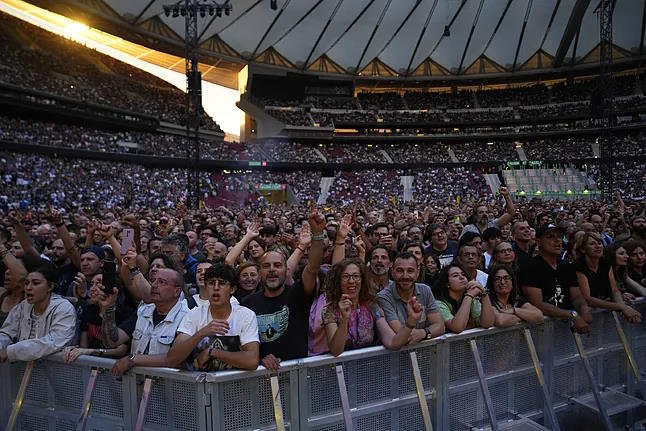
(242, 322)
(482, 277)
(199, 301)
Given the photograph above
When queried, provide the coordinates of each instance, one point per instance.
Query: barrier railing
(437, 384)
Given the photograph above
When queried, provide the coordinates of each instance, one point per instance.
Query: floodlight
(447, 31)
(273, 4)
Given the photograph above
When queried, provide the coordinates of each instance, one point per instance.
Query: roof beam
(372, 35)
(576, 45)
(457, 12)
(549, 25)
(421, 36)
(143, 11)
(394, 35)
(347, 29)
(273, 22)
(300, 20)
(522, 33)
(576, 18)
(495, 30)
(318, 39)
(641, 36)
(473, 27)
(234, 20)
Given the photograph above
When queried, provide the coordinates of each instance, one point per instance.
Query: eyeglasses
(505, 250)
(217, 282)
(438, 233)
(503, 279)
(348, 277)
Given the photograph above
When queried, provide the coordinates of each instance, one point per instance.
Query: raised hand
(182, 211)
(414, 310)
(15, 217)
(131, 221)
(253, 230)
(345, 226)
(345, 307)
(305, 237)
(130, 259)
(316, 221)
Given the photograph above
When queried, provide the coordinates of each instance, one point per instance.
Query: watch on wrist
(573, 314)
(428, 333)
(131, 360)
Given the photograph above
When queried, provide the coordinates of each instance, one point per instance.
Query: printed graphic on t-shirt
(272, 326)
(558, 297)
(228, 343)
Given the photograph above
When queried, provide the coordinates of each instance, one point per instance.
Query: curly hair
(333, 284)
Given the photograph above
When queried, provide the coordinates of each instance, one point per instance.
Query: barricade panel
(248, 404)
(465, 409)
(322, 387)
(377, 422)
(108, 397)
(380, 385)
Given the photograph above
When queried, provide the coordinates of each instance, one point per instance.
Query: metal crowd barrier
(454, 382)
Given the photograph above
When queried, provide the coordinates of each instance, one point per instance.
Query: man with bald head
(152, 329)
(282, 310)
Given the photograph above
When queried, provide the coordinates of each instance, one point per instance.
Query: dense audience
(56, 134)
(240, 286)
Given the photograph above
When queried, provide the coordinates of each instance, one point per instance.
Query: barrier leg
(17, 405)
(624, 342)
(483, 386)
(278, 406)
(345, 404)
(143, 406)
(593, 382)
(549, 407)
(87, 400)
(420, 392)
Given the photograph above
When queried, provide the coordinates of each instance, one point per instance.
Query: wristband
(302, 251)
(60, 224)
(133, 272)
(339, 243)
(469, 295)
(319, 237)
(410, 327)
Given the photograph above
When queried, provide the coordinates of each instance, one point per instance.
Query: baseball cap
(545, 229)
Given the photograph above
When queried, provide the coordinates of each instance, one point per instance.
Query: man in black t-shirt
(550, 284)
(283, 311)
(441, 246)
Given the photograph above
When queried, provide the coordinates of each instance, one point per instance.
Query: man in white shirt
(220, 335)
(152, 329)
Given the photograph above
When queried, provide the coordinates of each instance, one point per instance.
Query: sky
(219, 102)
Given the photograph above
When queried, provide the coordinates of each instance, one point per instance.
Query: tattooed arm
(113, 336)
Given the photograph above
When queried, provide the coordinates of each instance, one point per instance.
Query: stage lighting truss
(210, 8)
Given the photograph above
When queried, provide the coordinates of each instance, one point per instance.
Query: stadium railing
(381, 389)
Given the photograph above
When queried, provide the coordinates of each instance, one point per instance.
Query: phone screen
(109, 276)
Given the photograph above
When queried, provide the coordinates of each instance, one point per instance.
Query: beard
(379, 269)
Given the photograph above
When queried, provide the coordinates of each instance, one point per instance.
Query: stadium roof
(377, 38)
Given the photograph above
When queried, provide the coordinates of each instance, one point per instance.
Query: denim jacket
(158, 339)
(55, 329)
